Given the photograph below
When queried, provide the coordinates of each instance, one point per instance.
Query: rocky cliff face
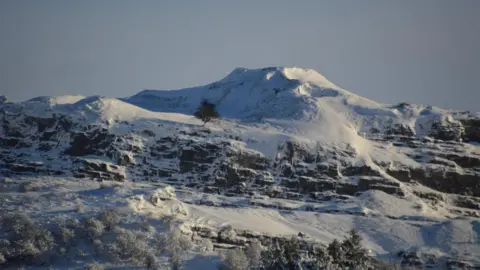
(199, 158)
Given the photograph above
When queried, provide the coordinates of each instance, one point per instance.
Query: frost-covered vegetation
(292, 254)
(106, 238)
(147, 226)
(106, 235)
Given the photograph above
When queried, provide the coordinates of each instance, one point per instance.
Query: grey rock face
(197, 158)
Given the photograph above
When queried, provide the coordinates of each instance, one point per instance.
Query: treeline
(293, 254)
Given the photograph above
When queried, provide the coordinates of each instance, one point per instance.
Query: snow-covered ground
(388, 224)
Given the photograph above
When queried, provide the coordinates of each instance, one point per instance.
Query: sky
(425, 52)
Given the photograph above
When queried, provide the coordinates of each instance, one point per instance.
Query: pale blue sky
(388, 50)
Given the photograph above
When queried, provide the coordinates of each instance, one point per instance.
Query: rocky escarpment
(212, 162)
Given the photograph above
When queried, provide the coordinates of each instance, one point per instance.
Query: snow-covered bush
(110, 218)
(129, 246)
(24, 243)
(24, 240)
(235, 259)
(205, 245)
(254, 254)
(227, 233)
(66, 235)
(93, 228)
(175, 244)
(163, 194)
(79, 207)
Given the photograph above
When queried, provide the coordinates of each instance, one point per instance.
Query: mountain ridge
(279, 93)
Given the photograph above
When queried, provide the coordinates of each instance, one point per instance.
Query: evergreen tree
(291, 251)
(355, 255)
(272, 257)
(206, 112)
(335, 252)
(283, 256)
(321, 259)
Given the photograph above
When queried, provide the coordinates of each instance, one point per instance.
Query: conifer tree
(355, 254)
(206, 112)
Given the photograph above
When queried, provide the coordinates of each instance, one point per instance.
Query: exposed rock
(196, 158)
(363, 170)
(447, 130)
(89, 143)
(433, 197)
(472, 129)
(468, 202)
(400, 129)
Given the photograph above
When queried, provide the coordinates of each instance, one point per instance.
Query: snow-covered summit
(290, 93)
(303, 75)
(273, 92)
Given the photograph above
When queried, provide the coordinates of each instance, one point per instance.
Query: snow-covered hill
(291, 152)
(293, 94)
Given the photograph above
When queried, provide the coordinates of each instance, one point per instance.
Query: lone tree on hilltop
(206, 112)
(3, 99)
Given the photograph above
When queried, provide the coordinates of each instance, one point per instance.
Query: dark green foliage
(292, 255)
(355, 254)
(320, 258)
(291, 250)
(281, 256)
(206, 112)
(335, 251)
